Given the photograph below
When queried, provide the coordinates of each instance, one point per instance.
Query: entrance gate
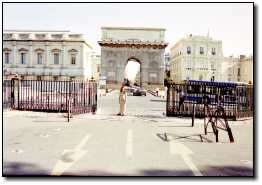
(236, 99)
(50, 96)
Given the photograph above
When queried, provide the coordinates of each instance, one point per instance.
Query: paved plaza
(143, 143)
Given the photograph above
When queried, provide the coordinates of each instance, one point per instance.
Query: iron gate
(51, 96)
(237, 100)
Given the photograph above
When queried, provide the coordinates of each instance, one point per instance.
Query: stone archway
(144, 45)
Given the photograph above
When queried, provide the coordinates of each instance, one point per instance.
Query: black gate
(51, 96)
(236, 100)
(7, 94)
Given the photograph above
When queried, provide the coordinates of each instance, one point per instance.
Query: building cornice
(132, 44)
(30, 40)
(133, 28)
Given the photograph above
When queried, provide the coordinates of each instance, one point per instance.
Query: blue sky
(231, 23)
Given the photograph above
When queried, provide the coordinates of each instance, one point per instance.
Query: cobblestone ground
(142, 143)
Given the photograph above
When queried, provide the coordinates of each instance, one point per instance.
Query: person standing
(122, 100)
(181, 98)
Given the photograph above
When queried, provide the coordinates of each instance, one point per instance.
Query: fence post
(193, 115)
(167, 100)
(69, 109)
(18, 94)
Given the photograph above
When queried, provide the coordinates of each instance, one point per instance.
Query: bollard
(193, 115)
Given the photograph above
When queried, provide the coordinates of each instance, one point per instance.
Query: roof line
(36, 30)
(132, 28)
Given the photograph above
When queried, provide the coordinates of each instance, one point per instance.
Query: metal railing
(51, 96)
(236, 100)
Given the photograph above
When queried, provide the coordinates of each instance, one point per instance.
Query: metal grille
(237, 100)
(54, 96)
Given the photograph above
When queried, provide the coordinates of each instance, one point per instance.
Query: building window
(200, 77)
(56, 58)
(188, 50)
(73, 59)
(55, 78)
(39, 78)
(7, 58)
(201, 50)
(213, 51)
(23, 59)
(39, 58)
(72, 78)
(238, 72)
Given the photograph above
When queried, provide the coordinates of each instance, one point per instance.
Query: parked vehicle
(138, 91)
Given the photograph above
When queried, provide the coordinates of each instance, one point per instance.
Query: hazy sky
(231, 23)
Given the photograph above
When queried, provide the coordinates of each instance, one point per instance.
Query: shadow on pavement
(187, 138)
(228, 171)
(22, 169)
(28, 169)
(50, 121)
(234, 171)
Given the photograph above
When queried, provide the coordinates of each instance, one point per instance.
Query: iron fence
(236, 100)
(6, 94)
(51, 96)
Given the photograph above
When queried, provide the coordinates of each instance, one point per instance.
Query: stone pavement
(38, 143)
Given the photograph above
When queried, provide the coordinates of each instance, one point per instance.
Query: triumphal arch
(143, 45)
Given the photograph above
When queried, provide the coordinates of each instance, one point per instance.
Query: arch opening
(133, 71)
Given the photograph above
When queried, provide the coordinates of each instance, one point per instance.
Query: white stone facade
(58, 55)
(238, 69)
(196, 58)
(230, 69)
(246, 69)
(133, 33)
(96, 66)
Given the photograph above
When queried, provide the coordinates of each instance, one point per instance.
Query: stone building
(246, 69)
(196, 58)
(230, 69)
(167, 61)
(238, 69)
(96, 66)
(143, 45)
(55, 55)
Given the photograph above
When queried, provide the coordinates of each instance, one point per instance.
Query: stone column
(103, 63)
(63, 56)
(14, 62)
(47, 58)
(162, 68)
(30, 57)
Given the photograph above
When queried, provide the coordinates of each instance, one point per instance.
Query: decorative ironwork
(218, 120)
